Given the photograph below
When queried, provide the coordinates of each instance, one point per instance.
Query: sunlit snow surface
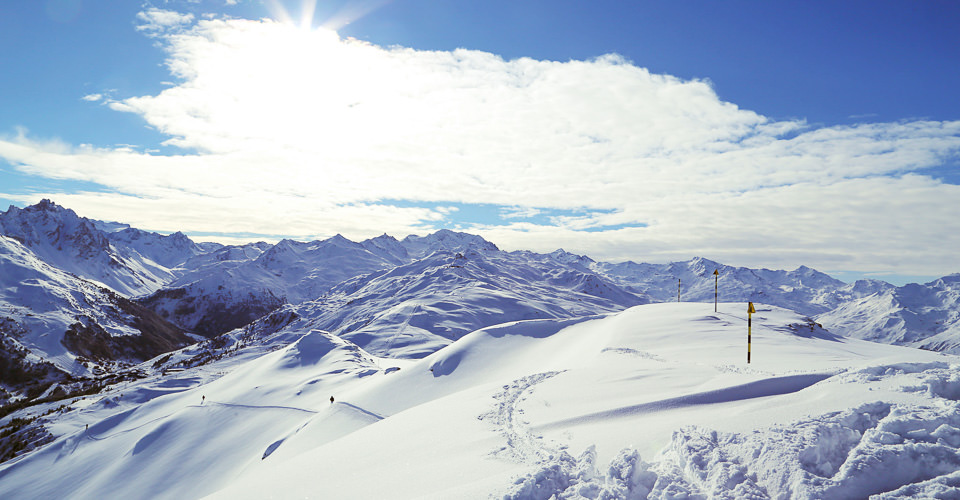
(653, 402)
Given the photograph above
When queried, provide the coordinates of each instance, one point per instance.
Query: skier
(331, 399)
(202, 399)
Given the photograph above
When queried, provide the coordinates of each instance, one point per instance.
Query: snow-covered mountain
(218, 291)
(652, 402)
(77, 327)
(414, 309)
(210, 289)
(444, 240)
(170, 251)
(918, 315)
(235, 285)
(925, 316)
(75, 244)
(225, 293)
(804, 290)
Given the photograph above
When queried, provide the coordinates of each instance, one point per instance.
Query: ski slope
(653, 402)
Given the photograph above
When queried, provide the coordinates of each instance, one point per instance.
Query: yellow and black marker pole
(750, 311)
(716, 284)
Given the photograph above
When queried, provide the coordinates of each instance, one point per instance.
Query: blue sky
(764, 134)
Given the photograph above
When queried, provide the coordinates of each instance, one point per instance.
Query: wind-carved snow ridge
(876, 448)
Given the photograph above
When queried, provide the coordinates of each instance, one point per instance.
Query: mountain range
(115, 341)
(85, 295)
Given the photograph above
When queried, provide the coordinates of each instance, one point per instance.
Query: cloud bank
(294, 132)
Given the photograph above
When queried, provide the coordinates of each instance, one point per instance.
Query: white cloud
(92, 97)
(300, 132)
(157, 21)
(518, 212)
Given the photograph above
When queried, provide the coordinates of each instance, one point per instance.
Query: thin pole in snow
(678, 289)
(750, 311)
(716, 283)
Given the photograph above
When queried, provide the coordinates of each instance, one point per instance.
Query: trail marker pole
(716, 284)
(750, 311)
(678, 289)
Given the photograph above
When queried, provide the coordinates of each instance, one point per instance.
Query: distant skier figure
(202, 399)
(331, 399)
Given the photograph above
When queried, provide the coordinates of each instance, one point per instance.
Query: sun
(349, 12)
(279, 12)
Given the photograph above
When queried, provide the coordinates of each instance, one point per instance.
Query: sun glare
(349, 12)
(307, 9)
(279, 12)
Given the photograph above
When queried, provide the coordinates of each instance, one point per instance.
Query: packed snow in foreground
(654, 402)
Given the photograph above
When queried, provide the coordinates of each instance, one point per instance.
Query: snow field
(654, 402)
(630, 390)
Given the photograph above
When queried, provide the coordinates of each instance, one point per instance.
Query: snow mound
(314, 346)
(870, 449)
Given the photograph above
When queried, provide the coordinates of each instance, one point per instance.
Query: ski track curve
(258, 407)
(361, 410)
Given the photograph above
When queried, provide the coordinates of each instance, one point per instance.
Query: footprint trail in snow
(522, 444)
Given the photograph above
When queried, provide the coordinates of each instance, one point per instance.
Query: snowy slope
(61, 318)
(75, 244)
(388, 248)
(167, 424)
(530, 409)
(926, 316)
